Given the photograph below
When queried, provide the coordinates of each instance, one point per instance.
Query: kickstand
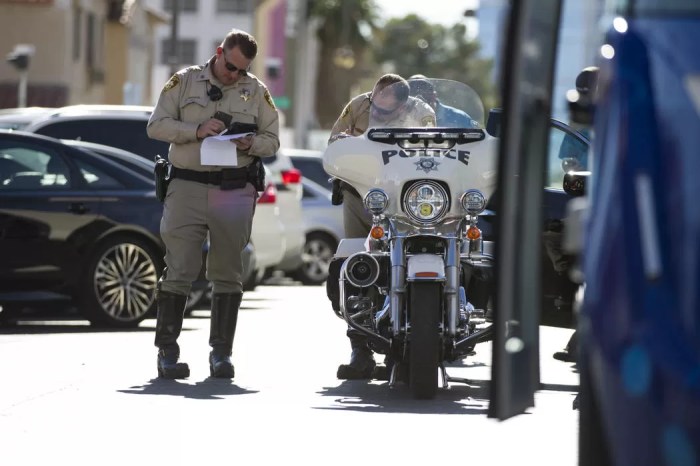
(393, 375)
(445, 377)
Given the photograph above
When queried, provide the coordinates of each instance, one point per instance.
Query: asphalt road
(73, 394)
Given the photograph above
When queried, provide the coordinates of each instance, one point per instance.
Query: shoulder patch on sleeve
(269, 100)
(172, 82)
(428, 121)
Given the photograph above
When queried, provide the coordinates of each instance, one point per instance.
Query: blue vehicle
(639, 319)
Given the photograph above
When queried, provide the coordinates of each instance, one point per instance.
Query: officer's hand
(244, 143)
(211, 127)
(341, 135)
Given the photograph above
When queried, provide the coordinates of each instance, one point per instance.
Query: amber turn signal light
(473, 233)
(377, 232)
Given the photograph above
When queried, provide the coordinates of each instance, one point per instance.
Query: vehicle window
(142, 168)
(566, 153)
(313, 170)
(96, 178)
(129, 135)
(25, 167)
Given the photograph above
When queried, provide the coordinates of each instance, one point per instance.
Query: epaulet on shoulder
(190, 69)
(256, 80)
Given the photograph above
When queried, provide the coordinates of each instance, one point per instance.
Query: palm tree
(344, 32)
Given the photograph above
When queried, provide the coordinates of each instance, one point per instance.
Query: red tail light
(269, 196)
(292, 176)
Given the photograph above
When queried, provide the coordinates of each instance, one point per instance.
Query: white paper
(219, 150)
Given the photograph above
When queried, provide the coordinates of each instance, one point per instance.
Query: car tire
(253, 280)
(118, 288)
(318, 252)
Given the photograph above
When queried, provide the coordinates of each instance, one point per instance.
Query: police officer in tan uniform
(196, 103)
(388, 105)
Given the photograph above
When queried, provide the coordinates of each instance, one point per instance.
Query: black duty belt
(209, 177)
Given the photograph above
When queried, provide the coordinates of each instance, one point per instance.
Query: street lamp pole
(174, 58)
(19, 58)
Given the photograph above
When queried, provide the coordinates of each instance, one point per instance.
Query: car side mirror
(575, 183)
(493, 124)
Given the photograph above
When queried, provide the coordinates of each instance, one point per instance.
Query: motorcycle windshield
(426, 102)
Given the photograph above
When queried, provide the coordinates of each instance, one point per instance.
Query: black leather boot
(361, 360)
(224, 315)
(171, 311)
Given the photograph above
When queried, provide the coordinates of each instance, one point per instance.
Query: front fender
(425, 267)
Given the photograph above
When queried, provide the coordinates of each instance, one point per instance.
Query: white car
(287, 180)
(323, 229)
(268, 236)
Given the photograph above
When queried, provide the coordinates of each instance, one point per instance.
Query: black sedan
(201, 289)
(75, 223)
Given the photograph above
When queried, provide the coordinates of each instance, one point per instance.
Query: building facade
(85, 51)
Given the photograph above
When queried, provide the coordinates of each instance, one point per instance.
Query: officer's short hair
(399, 86)
(422, 89)
(242, 40)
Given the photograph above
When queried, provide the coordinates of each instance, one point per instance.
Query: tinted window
(312, 169)
(142, 168)
(129, 135)
(24, 167)
(97, 178)
(566, 152)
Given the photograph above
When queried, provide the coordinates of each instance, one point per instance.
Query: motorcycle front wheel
(424, 338)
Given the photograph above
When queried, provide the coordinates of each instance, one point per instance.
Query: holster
(256, 174)
(337, 192)
(161, 174)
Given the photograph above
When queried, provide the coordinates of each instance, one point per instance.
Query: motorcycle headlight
(425, 202)
(376, 201)
(473, 201)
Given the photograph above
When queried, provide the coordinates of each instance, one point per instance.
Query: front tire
(424, 338)
(119, 286)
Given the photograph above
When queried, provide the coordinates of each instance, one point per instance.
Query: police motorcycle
(405, 285)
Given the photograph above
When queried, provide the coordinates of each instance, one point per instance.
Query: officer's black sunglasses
(232, 68)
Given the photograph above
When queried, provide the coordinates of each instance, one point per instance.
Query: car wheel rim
(125, 281)
(317, 259)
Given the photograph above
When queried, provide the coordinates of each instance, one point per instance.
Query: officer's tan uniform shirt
(354, 119)
(184, 104)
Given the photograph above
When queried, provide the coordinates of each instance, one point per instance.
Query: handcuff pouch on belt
(161, 174)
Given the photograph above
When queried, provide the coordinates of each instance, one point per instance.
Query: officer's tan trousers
(356, 220)
(190, 211)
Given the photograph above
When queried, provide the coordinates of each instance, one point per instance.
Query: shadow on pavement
(208, 389)
(52, 326)
(361, 395)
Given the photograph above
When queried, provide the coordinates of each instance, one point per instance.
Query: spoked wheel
(317, 255)
(424, 338)
(119, 288)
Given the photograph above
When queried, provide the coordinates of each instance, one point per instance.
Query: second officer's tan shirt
(184, 104)
(354, 119)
